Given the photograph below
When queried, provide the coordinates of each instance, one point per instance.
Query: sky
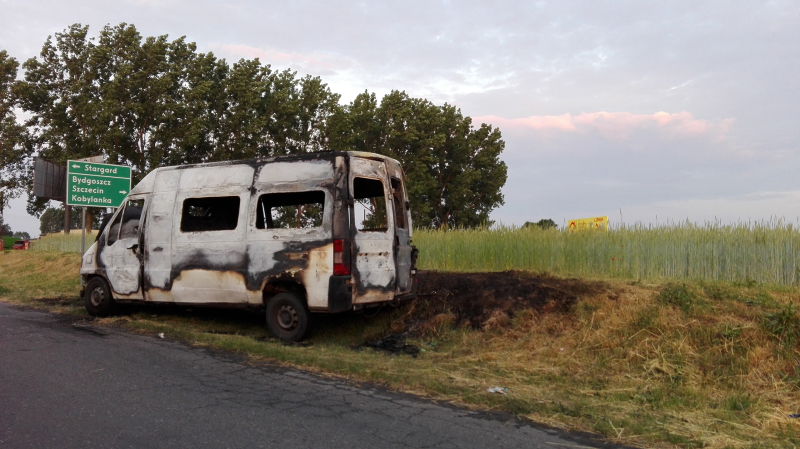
(650, 112)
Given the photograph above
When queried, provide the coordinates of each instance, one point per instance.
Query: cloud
(617, 125)
(269, 56)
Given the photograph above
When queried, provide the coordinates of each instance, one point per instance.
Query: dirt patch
(490, 300)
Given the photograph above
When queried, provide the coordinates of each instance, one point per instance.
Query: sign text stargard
(99, 185)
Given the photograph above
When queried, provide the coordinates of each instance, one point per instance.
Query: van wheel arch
(277, 287)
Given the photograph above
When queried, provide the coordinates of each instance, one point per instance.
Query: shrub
(678, 295)
(783, 325)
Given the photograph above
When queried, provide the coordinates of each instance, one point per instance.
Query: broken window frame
(120, 220)
(399, 203)
(262, 212)
(357, 201)
(184, 224)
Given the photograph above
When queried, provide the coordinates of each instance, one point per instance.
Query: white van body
(332, 228)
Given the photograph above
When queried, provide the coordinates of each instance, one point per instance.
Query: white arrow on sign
(76, 166)
(123, 192)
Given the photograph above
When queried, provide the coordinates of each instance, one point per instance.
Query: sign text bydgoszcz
(98, 185)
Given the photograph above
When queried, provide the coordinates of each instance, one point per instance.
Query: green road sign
(99, 185)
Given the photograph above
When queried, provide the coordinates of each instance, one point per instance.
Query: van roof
(285, 158)
(145, 185)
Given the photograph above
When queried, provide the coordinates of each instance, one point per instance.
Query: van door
(121, 255)
(374, 270)
(402, 236)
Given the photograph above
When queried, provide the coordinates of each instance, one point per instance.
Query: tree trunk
(89, 218)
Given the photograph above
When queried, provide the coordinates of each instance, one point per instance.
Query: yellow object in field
(585, 224)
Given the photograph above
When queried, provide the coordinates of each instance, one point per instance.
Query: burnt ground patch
(481, 300)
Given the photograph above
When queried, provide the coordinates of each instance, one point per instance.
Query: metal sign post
(83, 230)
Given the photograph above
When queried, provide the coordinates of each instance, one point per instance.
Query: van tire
(288, 318)
(98, 299)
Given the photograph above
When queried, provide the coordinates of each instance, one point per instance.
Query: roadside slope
(657, 365)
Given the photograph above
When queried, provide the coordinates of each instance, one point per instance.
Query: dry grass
(651, 365)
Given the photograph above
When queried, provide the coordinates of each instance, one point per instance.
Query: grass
(688, 364)
(68, 243)
(767, 252)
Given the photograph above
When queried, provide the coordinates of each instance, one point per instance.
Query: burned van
(293, 235)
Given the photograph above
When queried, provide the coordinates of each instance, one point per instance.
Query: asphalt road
(66, 384)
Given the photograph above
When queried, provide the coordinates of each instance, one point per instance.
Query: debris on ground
(500, 390)
(161, 335)
(394, 344)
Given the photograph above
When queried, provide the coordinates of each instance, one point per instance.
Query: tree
(14, 155)
(22, 235)
(52, 219)
(147, 102)
(5, 230)
(453, 169)
(544, 223)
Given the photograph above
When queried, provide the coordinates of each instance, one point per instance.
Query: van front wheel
(288, 317)
(97, 299)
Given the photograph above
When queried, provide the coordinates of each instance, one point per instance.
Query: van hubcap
(97, 297)
(287, 318)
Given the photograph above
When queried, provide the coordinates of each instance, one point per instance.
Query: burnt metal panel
(340, 294)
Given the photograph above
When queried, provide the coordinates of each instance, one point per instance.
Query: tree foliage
(544, 223)
(14, 156)
(52, 219)
(5, 230)
(147, 102)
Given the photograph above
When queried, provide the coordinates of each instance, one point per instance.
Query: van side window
(290, 210)
(370, 205)
(399, 203)
(219, 213)
(126, 223)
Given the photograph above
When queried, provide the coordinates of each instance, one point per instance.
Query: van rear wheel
(97, 299)
(288, 318)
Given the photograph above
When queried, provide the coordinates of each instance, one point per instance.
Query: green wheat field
(765, 252)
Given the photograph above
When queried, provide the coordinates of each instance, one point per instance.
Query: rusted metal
(148, 257)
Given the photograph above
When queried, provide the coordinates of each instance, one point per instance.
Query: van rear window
(220, 213)
(290, 210)
(370, 205)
